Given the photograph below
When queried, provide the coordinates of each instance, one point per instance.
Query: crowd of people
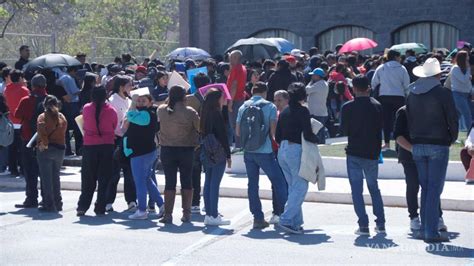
(274, 111)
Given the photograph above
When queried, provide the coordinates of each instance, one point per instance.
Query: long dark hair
(99, 95)
(297, 93)
(209, 106)
(119, 81)
(51, 106)
(176, 95)
(461, 61)
(89, 81)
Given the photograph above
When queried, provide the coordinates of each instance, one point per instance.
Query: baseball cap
(318, 71)
(141, 69)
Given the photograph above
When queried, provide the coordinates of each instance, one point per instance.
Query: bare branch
(6, 24)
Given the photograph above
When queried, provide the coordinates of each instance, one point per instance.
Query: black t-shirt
(293, 121)
(401, 129)
(141, 139)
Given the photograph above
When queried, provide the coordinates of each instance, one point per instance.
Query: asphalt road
(30, 237)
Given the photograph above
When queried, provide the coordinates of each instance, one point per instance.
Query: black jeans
(14, 158)
(390, 106)
(31, 172)
(97, 167)
(70, 111)
(128, 183)
(174, 159)
(196, 177)
(413, 187)
(49, 162)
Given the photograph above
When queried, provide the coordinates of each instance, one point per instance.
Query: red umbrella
(357, 44)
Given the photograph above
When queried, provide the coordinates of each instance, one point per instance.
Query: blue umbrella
(184, 53)
(283, 45)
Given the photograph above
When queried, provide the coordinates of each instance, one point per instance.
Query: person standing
(52, 127)
(13, 93)
(212, 123)
(24, 57)
(139, 145)
(236, 84)
(260, 115)
(294, 121)
(280, 79)
(27, 112)
(100, 122)
(362, 121)
(433, 127)
(317, 91)
(461, 87)
(179, 136)
(393, 79)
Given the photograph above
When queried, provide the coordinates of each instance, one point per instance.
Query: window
(279, 33)
(328, 39)
(431, 34)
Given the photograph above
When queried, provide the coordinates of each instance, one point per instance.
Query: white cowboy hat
(430, 68)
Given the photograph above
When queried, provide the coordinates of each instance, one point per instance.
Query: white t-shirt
(121, 105)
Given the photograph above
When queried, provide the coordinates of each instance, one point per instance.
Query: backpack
(7, 131)
(253, 132)
(37, 110)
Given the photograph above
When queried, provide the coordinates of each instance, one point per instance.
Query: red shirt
(14, 92)
(25, 112)
(238, 73)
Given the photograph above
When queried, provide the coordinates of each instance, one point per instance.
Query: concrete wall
(231, 20)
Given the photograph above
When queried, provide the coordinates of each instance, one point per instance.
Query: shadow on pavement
(137, 224)
(450, 251)
(217, 231)
(34, 214)
(95, 220)
(304, 239)
(179, 229)
(8, 189)
(379, 241)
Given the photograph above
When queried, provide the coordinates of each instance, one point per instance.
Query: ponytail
(99, 95)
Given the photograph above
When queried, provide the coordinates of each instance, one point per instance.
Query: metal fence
(100, 49)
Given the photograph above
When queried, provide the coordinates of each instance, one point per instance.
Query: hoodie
(393, 79)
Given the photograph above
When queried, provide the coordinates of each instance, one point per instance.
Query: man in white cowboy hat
(433, 126)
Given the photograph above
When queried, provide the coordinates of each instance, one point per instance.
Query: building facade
(214, 25)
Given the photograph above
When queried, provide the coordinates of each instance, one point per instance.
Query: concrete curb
(320, 196)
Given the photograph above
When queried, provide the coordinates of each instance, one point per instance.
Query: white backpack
(7, 131)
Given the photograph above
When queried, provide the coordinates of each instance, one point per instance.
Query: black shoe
(47, 209)
(26, 205)
(418, 235)
(80, 213)
(437, 239)
(100, 214)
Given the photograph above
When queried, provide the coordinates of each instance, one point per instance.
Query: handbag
(212, 151)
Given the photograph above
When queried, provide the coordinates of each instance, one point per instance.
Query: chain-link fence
(39, 44)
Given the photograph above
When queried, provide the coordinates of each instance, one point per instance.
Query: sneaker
(4, 173)
(109, 207)
(132, 207)
(290, 229)
(139, 215)
(195, 209)
(260, 224)
(151, 210)
(380, 229)
(362, 231)
(441, 226)
(209, 220)
(437, 239)
(80, 213)
(275, 219)
(415, 224)
(26, 205)
(162, 211)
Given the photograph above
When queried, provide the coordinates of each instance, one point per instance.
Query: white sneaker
(4, 173)
(195, 209)
(275, 219)
(415, 224)
(162, 211)
(441, 226)
(132, 207)
(109, 207)
(139, 215)
(209, 220)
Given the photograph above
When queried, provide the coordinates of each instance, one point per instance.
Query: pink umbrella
(357, 44)
(219, 86)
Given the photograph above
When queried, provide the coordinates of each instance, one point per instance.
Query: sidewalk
(457, 196)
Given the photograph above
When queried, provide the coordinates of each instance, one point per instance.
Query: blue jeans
(432, 163)
(357, 168)
(289, 157)
(211, 188)
(269, 164)
(143, 169)
(462, 101)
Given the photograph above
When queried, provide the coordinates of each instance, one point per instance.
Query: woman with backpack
(179, 127)
(139, 145)
(213, 129)
(51, 129)
(100, 122)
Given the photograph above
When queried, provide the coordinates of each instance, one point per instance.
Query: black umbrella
(254, 49)
(50, 61)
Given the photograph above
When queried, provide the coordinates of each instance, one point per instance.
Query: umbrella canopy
(184, 53)
(50, 61)
(357, 44)
(419, 48)
(283, 45)
(254, 49)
